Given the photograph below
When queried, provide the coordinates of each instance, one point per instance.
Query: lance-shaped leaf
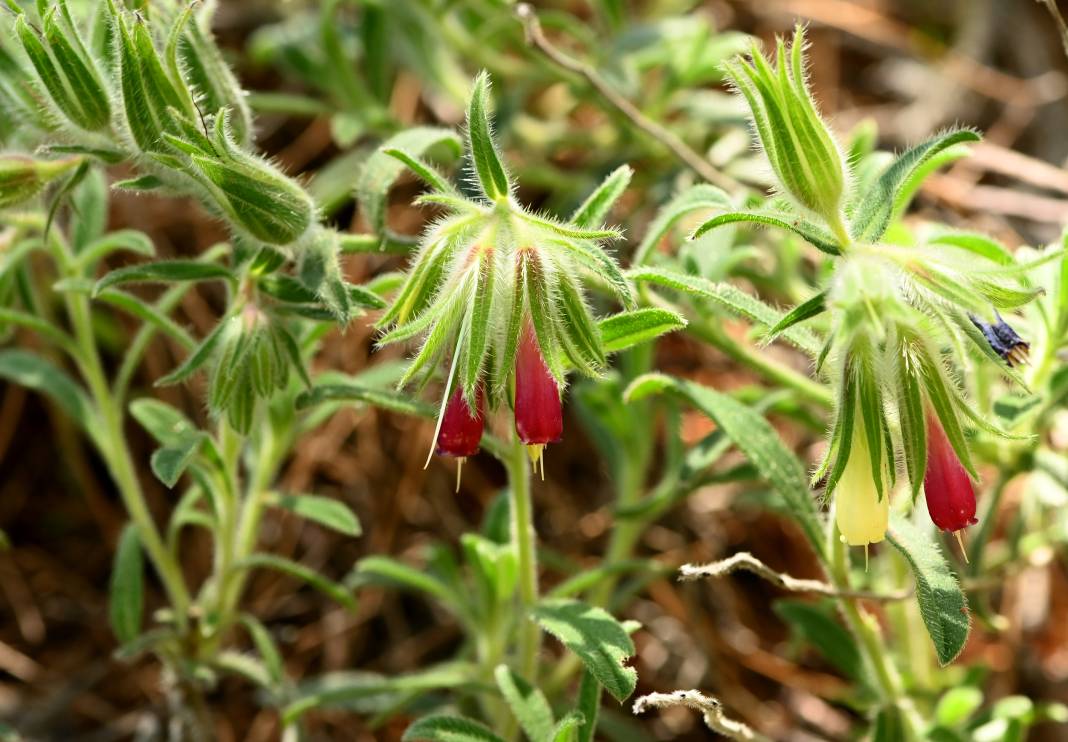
(753, 436)
(383, 167)
(126, 595)
(163, 271)
(814, 235)
(528, 705)
(701, 197)
(300, 572)
(325, 511)
(485, 156)
(34, 372)
(872, 215)
(942, 603)
(730, 298)
(448, 729)
(599, 640)
(627, 329)
(806, 310)
(594, 210)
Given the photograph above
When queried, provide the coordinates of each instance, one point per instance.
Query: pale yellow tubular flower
(860, 513)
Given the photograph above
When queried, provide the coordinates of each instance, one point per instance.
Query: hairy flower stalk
(946, 484)
(461, 429)
(538, 412)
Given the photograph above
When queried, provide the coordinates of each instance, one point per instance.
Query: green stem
(523, 539)
(865, 630)
(771, 370)
(116, 453)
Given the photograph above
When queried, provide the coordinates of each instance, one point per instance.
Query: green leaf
(266, 646)
(942, 604)
(351, 392)
(731, 299)
(356, 690)
(485, 156)
(198, 357)
(383, 167)
(164, 271)
(149, 315)
(299, 571)
(806, 310)
(817, 626)
(753, 435)
(165, 423)
(130, 240)
(807, 231)
(33, 372)
(568, 727)
(598, 639)
(871, 218)
(595, 208)
(978, 244)
(528, 705)
(126, 596)
(382, 569)
(627, 329)
(323, 510)
(700, 197)
(169, 462)
(448, 729)
(957, 705)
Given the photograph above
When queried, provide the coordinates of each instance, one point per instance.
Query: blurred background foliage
(330, 81)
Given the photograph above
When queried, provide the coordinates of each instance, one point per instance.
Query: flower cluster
(902, 316)
(497, 294)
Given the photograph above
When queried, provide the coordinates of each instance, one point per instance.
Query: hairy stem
(523, 539)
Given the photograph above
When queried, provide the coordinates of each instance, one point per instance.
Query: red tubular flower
(461, 431)
(950, 497)
(538, 415)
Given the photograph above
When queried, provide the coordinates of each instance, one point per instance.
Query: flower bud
(538, 414)
(862, 511)
(461, 429)
(802, 151)
(946, 485)
(22, 177)
(269, 206)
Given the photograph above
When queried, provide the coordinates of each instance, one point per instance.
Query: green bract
(491, 265)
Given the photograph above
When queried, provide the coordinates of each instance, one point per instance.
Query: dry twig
(710, 708)
(745, 561)
(536, 37)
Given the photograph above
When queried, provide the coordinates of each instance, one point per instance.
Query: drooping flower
(460, 431)
(861, 511)
(538, 413)
(946, 484)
